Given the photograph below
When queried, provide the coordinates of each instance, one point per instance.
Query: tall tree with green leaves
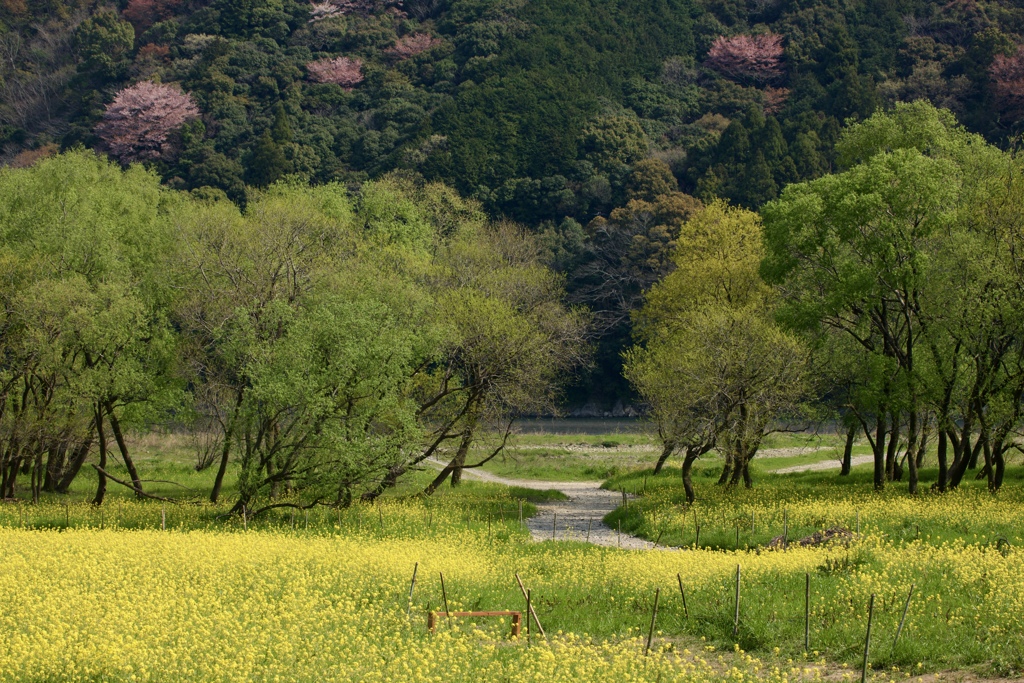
(712, 364)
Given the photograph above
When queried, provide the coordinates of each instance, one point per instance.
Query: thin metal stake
(867, 640)
(620, 534)
(903, 619)
(529, 610)
(163, 519)
(444, 596)
(686, 612)
(554, 520)
(590, 520)
(807, 613)
(412, 586)
(785, 529)
(736, 618)
(654, 616)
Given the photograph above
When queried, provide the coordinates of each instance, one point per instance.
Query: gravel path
(825, 465)
(588, 503)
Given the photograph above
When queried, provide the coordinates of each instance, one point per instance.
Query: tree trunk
(80, 456)
(692, 453)
(667, 449)
(973, 464)
(229, 434)
(878, 451)
(999, 460)
(943, 469)
(912, 436)
(962, 452)
(890, 451)
(460, 455)
(101, 483)
(926, 433)
(115, 427)
(454, 466)
(56, 459)
(726, 467)
(851, 434)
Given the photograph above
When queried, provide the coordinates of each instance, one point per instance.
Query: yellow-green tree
(712, 364)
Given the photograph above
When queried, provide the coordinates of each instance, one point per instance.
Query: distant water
(581, 425)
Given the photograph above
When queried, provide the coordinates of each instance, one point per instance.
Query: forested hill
(585, 119)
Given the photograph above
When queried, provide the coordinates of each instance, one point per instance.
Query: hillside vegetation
(583, 119)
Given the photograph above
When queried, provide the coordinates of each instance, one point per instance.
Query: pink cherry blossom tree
(755, 59)
(1007, 75)
(344, 71)
(138, 123)
(411, 45)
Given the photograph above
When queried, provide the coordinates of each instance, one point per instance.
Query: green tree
(857, 253)
(715, 367)
(104, 43)
(87, 335)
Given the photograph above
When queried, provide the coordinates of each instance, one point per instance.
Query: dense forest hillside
(601, 124)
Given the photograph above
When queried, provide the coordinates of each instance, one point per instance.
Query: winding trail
(588, 504)
(569, 519)
(824, 465)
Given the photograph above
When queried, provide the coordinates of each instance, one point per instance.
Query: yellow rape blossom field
(118, 598)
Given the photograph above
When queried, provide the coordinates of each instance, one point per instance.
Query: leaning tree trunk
(229, 434)
(851, 434)
(460, 455)
(692, 453)
(669, 445)
(101, 483)
(453, 468)
(963, 452)
(75, 466)
(56, 462)
(726, 467)
(115, 427)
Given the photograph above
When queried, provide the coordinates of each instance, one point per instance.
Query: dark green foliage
(548, 112)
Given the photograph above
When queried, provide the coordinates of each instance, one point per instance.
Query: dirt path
(824, 465)
(569, 519)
